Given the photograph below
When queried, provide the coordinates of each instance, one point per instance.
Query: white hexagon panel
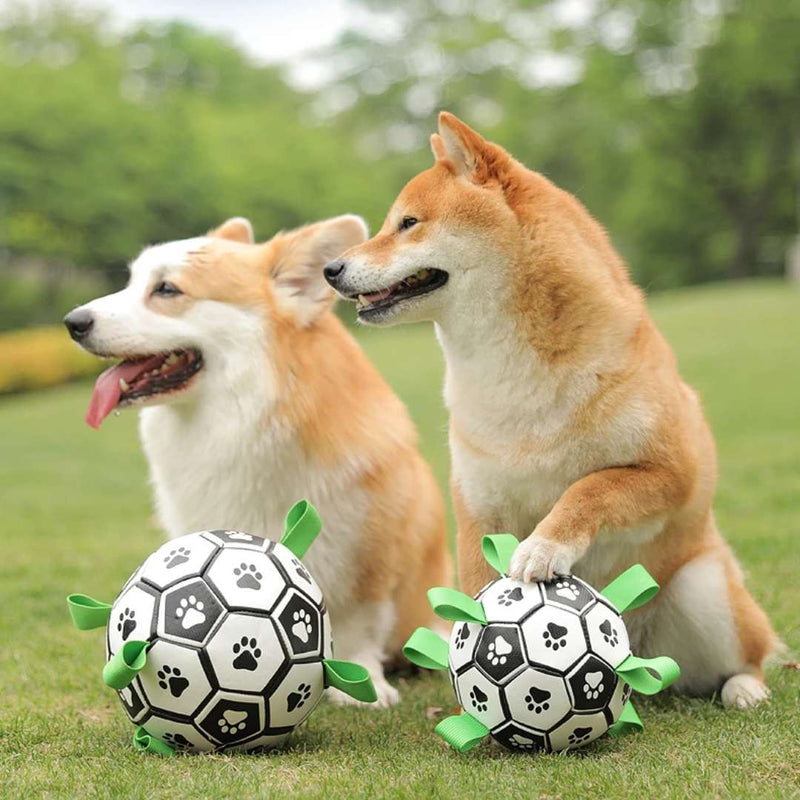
(607, 634)
(481, 697)
(238, 539)
(189, 612)
(184, 557)
(174, 679)
(296, 696)
(231, 718)
(246, 652)
(539, 700)
(132, 617)
(554, 638)
(510, 601)
(180, 736)
(577, 731)
(463, 639)
(246, 579)
(296, 572)
(300, 625)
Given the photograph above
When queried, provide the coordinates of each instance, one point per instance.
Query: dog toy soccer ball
(540, 666)
(221, 641)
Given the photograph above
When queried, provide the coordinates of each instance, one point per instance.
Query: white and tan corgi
(254, 395)
(570, 425)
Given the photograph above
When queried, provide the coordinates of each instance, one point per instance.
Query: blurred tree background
(676, 121)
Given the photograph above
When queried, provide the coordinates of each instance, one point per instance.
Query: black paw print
(297, 698)
(579, 735)
(301, 570)
(247, 653)
(177, 557)
(554, 636)
(462, 636)
(609, 633)
(248, 576)
(127, 622)
(536, 700)
(510, 596)
(479, 699)
(178, 742)
(171, 678)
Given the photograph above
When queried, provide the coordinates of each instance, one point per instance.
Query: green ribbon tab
(628, 722)
(632, 589)
(498, 549)
(143, 741)
(649, 675)
(426, 649)
(462, 731)
(456, 606)
(88, 613)
(301, 528)
(125, 665)
(350, 678)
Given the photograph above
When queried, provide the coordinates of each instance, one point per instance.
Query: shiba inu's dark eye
(166, 289)
(406, 223)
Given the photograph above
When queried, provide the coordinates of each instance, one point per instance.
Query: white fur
(220, 458)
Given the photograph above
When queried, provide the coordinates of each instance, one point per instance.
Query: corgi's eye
(406, 223)
(166, 289)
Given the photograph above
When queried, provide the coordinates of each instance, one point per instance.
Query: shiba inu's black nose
(332, 271)
(79, 322)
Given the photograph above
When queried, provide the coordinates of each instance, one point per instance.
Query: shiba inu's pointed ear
(465, 151)
(302, 253)
(237, 229)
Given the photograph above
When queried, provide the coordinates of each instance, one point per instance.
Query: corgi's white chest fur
(211, 467)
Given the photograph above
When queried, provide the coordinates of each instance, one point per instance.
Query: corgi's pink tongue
(107, 391)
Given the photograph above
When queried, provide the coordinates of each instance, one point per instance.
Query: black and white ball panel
(182, 737)
(189, 612)
(174, 680)
(240, 539)
(500, 654)
(554, 638)
(178, 559)
(591, 684)
(577, 731)
(295, 572)
(506, 600)
(539, 700)
(299, 623)
(232, 718)
(463, 640)
(131, 697)
(246, 579)
(480, 697)
(246, 652)
(132, 616)
(608, 636)
(296, 696)
(569, 592)
(517, 737)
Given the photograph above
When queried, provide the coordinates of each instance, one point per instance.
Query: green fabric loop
(124, 666)
(632, 589)
(628, 721)
(462, 731)
(87, 613)
(498, 549)
(648, 675)
(456, 606)
(426, 649)
(301, 528)
(143, 741)
(350, 678)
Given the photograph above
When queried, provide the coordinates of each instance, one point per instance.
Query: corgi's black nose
(332, 271)
(79, 322)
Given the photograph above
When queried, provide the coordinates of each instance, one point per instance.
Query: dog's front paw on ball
(539, 559)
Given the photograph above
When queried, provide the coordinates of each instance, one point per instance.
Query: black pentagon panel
(519, 739)
(237, 539)
(232, 718)
(132, 701)
(592, 684)
(499, 653)
(299, 620)
(569, 592)
(190, 612)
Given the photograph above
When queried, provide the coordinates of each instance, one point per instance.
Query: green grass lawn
(75, 517)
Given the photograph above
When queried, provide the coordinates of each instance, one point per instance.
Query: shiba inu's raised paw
(387, 696)
(538, 558)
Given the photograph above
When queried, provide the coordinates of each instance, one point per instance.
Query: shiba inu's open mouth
(140, 378)
(421, 282)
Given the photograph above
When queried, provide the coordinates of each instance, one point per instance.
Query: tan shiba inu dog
(254, 395)
(570, 425)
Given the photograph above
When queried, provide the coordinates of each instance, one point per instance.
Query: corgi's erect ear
(237, 229)
(466, 152)
(299, 257)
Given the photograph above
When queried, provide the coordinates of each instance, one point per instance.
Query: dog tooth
(172, 358)
(361, 300)
(123, 384)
